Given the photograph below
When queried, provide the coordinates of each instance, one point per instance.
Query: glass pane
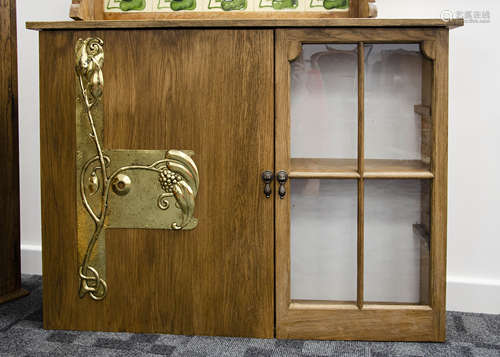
(397, 222)
(323, 239)
(397, 78)
(324, 103)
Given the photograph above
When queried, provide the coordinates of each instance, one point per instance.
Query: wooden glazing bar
(398, 175)
(361, 107)
(361, 169)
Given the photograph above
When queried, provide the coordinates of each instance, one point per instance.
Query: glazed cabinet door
(361, 132)
(181, 130)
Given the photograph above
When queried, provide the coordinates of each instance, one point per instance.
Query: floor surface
(21, 334)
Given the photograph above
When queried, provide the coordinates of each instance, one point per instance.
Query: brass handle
(282, 178)
(267, 177)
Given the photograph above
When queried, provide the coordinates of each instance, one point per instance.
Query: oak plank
(10, 260)
(282, 162)
(361, 183)
(82, 10)
(58, 182)
(379, 324)
(425, 111)
(264, 20)
(439, 196)
(382, 168)
(347, 168)
(323, 168)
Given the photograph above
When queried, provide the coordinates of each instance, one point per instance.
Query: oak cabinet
(261, 178)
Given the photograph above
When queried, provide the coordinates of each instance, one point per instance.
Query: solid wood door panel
(209, 91)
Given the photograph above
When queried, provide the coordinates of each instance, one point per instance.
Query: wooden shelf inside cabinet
(348, 168)
(324, 168)
(376, 168)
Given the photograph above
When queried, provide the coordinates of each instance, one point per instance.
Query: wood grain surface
(10, 261)
(207, 91)
(348, 168)
(270, 22)
(439, 198)
(82, 10)
(361, 182)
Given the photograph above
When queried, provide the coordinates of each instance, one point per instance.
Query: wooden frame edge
(440, 187)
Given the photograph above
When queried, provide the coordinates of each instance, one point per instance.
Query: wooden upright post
(10, 260)
(82, 10)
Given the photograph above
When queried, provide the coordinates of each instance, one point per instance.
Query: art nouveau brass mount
(115, 189)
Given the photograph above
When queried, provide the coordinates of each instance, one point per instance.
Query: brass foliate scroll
(115, 190)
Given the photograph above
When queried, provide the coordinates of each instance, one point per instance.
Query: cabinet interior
(361, 174)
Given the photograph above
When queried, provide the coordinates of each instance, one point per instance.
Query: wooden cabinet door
(361, 130)
(209, 91)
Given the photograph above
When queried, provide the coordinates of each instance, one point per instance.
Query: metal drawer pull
(282, 178)
(267, 177)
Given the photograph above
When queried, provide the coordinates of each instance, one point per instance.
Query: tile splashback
(224, 5)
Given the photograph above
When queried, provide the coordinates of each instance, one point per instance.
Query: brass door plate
(120, 188)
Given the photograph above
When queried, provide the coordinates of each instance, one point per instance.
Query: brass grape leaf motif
(100, 177)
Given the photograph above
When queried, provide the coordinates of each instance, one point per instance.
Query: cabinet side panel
(10, 280)
(57, 155)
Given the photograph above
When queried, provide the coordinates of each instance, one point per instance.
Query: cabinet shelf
(375, 168)
(324, 168)
(348, 168)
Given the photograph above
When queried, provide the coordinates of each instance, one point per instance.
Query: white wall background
(474, 145)
(29, 141)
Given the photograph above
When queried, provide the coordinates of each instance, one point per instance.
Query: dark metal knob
(282, 178)
(267, 177)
